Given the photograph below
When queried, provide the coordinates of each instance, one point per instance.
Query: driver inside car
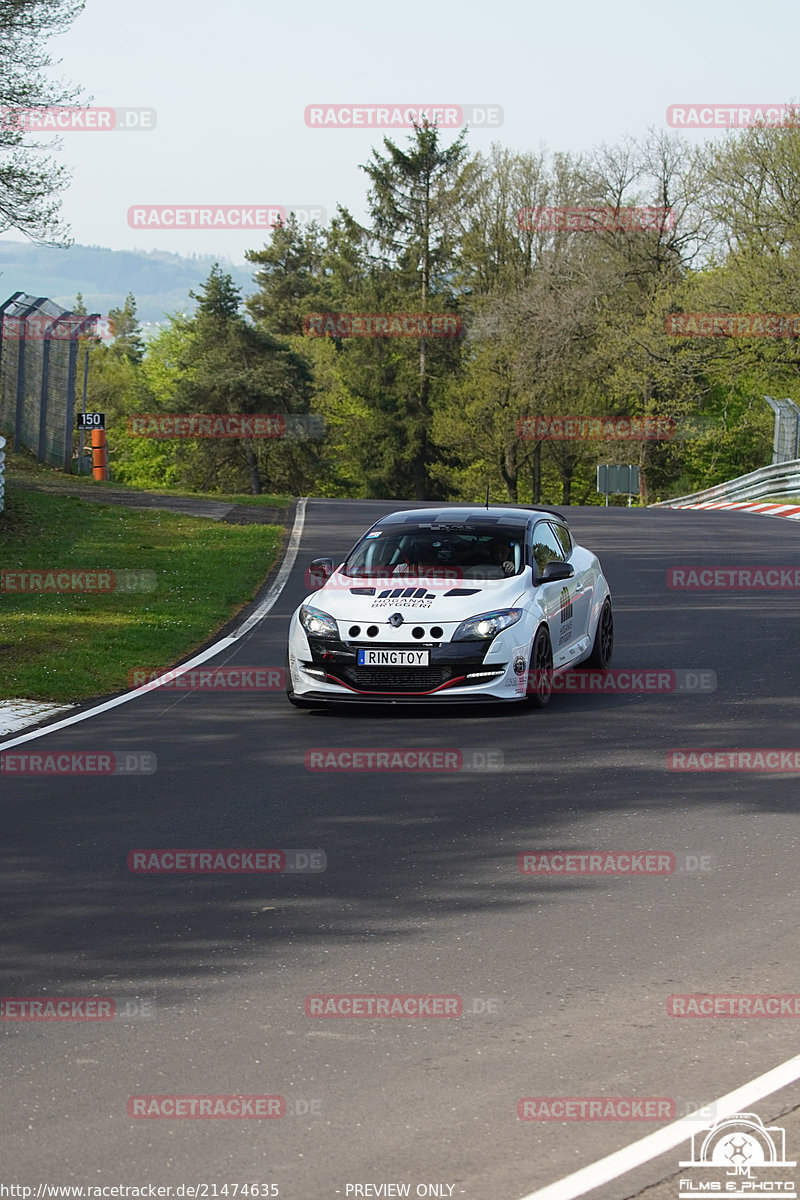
(412, 559)
(503, 556)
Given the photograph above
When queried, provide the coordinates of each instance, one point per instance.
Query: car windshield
(457, 552)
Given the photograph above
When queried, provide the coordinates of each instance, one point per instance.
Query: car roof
(492, 516)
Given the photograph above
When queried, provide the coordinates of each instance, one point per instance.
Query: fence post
(45, 386)
(786, 440)
(23, 319)
(69, 417)
(11, 299)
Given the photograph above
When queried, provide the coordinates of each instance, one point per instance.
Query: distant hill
(160, 281)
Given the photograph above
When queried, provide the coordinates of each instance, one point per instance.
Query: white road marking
(655, 1144)
(223, 644)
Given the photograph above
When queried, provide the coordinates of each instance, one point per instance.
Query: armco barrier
(2, 473)
(779, 479)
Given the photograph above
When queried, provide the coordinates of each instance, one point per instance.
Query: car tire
(540, 670)
(603, 647)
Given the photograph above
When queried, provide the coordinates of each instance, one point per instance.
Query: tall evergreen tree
(233, 367)
(127, 331)
(288, 277)
(414, 201)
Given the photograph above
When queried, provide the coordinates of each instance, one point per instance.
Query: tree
(498, 243)
(29, 181)
(751, 191)
(288, 276)
(414, 203)
(148, 387)
(219, 298)
(127, 331)
(233, 367)
(530, 313)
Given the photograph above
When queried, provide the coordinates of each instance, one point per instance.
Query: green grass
(778, 500)
(74, 646)
(22, 468)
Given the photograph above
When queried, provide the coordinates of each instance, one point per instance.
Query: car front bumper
(458, 672)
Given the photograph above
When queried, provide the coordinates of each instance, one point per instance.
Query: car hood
(349, 599)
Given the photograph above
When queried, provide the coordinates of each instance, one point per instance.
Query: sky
(230, 83)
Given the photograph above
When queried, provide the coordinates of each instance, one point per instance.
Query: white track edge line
(262, 610)
(282, 576)
(658, 1143)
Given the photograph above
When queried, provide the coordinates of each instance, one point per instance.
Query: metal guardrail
(779, 479)
(2, 472)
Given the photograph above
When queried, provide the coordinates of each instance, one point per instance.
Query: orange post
(99, 454)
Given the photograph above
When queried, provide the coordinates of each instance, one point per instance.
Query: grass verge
(24, 468)
(72, 647)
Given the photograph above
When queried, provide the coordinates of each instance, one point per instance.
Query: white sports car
(451, 604)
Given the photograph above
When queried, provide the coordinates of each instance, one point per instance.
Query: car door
(581, 587)
(554, 597)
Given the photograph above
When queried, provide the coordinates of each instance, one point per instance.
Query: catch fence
(39, 342)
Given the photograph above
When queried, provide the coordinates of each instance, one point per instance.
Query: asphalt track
(421, 895)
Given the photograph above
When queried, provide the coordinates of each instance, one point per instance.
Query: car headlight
(486, 625)
(318, 623)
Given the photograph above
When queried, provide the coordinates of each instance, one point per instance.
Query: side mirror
(553, 571)
(318, 573)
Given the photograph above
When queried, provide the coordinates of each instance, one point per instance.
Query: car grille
(385, 679)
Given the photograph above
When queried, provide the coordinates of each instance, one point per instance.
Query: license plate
(394, 658)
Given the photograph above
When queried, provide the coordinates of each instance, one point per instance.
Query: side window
(545, 546)
(563, 535)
